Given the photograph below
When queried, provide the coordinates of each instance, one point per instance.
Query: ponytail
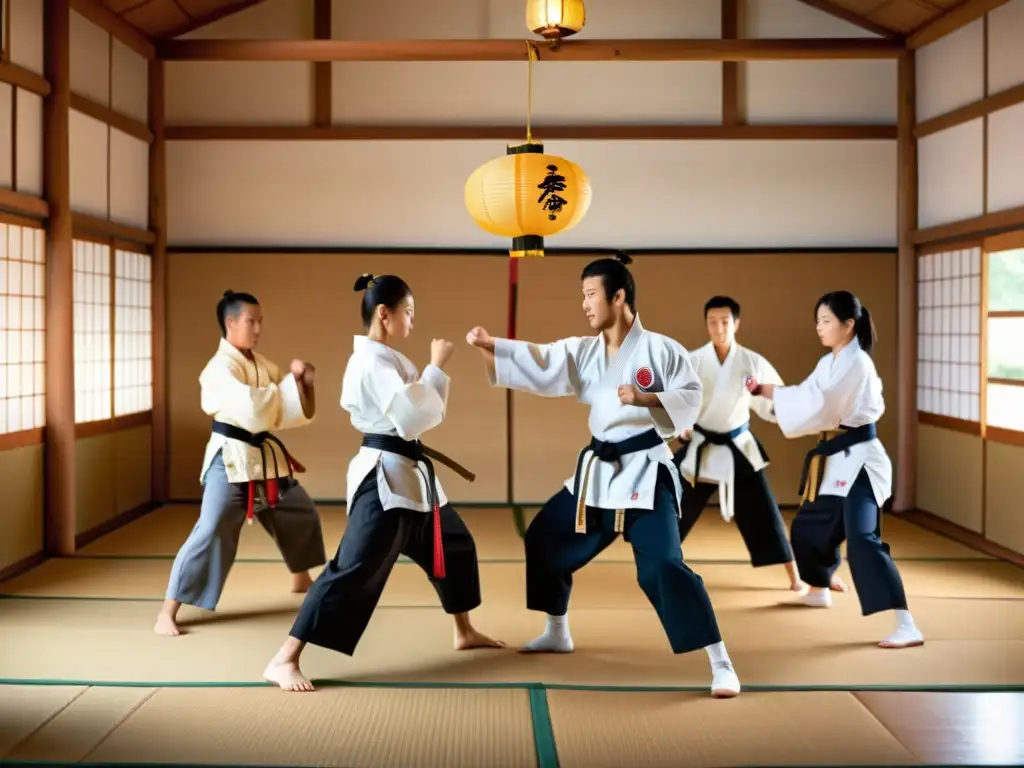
(864, 327)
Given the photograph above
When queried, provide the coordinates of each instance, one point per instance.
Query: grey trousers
(202, 565)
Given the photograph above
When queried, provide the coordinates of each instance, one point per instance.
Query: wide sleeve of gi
(681, 395)
(549, 370)
(225, 395)
(293, 408)
(412, 408)
(765, 374)
(821, 401)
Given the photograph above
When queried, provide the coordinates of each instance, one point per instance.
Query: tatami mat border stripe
(543, 731)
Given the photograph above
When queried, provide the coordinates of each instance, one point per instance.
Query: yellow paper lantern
(555, 19)
(527, 196)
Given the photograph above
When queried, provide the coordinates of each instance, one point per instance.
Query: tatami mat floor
(84, 679)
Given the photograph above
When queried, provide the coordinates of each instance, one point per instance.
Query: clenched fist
(440, 351)
(479, 337)
(628, 394)
(297, 368)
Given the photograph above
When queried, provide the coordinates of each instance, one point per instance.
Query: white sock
(904, 618)
(558, 625)
(556, 637)
(718, 655)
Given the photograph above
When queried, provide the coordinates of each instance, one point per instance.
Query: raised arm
(255, 409)
(548, 370)
(766, 374)
(811, 407)
(298, 408)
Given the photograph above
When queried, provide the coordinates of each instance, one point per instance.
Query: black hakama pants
(555, 551)
(819, 529)
(338, 607)
(755, 511)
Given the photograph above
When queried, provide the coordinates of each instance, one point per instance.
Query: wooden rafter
(96, 12)
(216, 14)
(849, 16)
(951, 21)
(515, 50)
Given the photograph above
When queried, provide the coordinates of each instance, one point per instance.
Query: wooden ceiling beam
(951, 21)
(515, 50)
(821, 132)
(96, 12)
(853, 18)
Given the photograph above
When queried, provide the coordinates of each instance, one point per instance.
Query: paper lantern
(527, 196)
(555, 19)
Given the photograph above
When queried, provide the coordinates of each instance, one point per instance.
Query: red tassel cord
(438, 544)
(251, 504)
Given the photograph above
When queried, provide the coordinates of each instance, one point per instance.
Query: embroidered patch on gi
(643, 377)
(635, 496)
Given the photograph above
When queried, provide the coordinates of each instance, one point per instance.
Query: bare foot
(474, 639)
(166, 625)
(838, 585)
(301, 582)
(287, 676)
(800, 586)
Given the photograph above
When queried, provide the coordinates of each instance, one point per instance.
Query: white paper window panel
(1005, 52)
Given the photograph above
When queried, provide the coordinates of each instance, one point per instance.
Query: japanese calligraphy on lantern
(552, 184)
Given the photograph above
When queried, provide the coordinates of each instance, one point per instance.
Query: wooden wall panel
(805, 91)
(21, 476)
(1006, 158)
(128, 82)
(1005, 52)
(129, 180)
(26, 34)
(30, 143)
(90, 60)
(656, 194)
(951, 71)
(1004, 524)
(90, 165)
(312, 313)
(950, 475)
(951, 174)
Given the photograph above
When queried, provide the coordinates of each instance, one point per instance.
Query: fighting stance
(396, 504)
(642, 390)
(721, 453)
(247, 473)
(847, 477)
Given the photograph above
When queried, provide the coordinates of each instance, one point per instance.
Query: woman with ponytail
(847, 477)
(395, 503)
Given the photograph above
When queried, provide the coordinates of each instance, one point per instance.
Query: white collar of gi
(229, 349)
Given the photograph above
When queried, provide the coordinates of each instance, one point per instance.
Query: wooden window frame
(1003, 242)
(966, 426)
(131, 420)
(36, 435)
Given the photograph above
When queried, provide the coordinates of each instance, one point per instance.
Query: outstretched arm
(541, 369)
(763, 406)
(810, 407)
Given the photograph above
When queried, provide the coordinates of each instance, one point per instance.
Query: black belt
(418, 452)
(259, 440)
(610, 452)
(719, 438)
(829, 444)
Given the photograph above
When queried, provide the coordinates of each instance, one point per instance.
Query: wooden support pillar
(733, 103)
(905, 492)
(158, 225)
(322, 87)
(60, 518)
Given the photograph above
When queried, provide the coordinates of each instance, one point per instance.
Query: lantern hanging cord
(531, 56)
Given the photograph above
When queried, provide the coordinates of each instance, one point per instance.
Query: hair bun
(228, 293)
(363, 281)
(624, 257)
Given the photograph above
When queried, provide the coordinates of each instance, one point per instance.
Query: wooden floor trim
(118, 521)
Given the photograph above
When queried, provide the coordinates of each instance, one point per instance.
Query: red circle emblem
(644, 377)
